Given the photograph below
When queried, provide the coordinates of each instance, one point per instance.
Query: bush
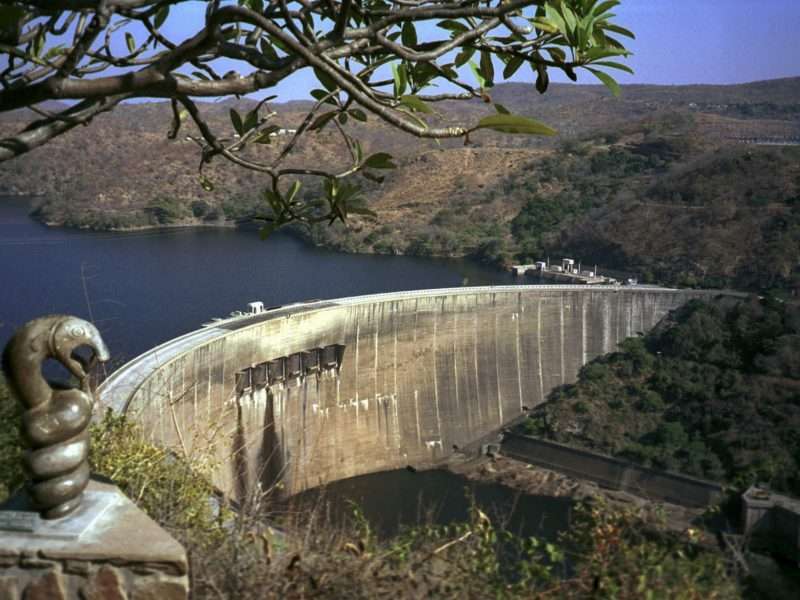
(11, 474)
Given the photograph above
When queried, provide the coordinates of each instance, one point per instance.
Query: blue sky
(712, 41)
(678, 42)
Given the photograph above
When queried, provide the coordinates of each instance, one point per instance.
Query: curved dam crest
(315, 392)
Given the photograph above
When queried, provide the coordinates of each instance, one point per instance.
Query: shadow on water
(393, 500)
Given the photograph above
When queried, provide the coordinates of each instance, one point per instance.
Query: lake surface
(142, 288)
(392, 500)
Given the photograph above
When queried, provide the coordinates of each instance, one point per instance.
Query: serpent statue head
(55, 422)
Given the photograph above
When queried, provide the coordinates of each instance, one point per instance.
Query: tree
(370, 57)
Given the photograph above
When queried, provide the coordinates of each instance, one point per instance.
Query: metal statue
(55, 424)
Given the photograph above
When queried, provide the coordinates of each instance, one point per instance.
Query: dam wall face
(322, 391)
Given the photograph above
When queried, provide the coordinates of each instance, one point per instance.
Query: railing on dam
(419, 373)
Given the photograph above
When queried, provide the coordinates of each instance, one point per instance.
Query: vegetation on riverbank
(654, 183)
(607, 554)
(713, 392)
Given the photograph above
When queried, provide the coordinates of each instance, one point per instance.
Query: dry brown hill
(616, 185)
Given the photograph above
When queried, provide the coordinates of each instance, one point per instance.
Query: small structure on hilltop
(566, 272)
(774, 519)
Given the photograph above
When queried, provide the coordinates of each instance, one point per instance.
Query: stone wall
(420, 373)
(612, 472)
(122, 554)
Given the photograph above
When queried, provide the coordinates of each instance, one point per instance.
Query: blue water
(143, 288)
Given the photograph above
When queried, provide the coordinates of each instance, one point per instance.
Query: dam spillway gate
(321, 391)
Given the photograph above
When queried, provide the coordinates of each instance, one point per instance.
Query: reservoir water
(143, 288)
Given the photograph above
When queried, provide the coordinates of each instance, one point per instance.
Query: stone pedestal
(109, 549)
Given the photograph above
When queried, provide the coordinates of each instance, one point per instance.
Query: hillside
(655, 182)
(714, 392)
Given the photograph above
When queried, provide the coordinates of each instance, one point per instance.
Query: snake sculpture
(55, 424)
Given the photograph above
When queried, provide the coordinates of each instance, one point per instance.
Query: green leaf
(161, 16)
(358, 114)
(514, 63)
(320, 94)
(274, 200)
(54, 51)
(476, 72)
(236, 120)
(256, 5)
(400, 79)
(614, 65)
(342, 118)
(278, 44)
(604, 7)
(409, 34)
(543, 24)
(293, 192)
(358, 208)
(414, 103)
(514, 124)
(557, 54)
(372, 177)
(267, 230)
(250, 121)
(322, 120)
(542, 78)
(424, 72)
(130, 41)
(38, 44)
(501, 109)
(326, 80)
(463, 57)
(381, 160)
(607, 80)
(264, 137)
(201, 75)
(598, 52)
(267, 50)
(206, 184)
(552, 15)
(487, 68)
(620, 30)
(454, 26)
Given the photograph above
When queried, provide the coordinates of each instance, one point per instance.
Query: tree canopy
(375, 58)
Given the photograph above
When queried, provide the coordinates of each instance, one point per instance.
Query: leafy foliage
(715, 393)
(608, 554)
(369, 59)
(11, 474)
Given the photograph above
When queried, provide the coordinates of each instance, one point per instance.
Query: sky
(677, 42)
(711, 41)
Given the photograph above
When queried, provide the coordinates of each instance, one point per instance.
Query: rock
(49, 586)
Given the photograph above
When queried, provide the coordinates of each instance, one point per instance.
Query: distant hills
(655, 181)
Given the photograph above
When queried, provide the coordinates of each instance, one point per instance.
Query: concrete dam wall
(316, 392)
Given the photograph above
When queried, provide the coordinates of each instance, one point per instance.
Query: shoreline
(289, 230)
(199, 225)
